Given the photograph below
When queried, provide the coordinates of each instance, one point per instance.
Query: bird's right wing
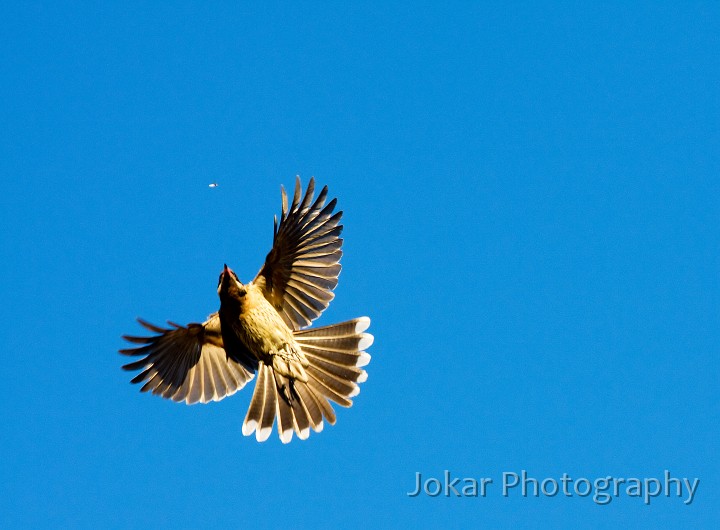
(189, 363)
(302, 269)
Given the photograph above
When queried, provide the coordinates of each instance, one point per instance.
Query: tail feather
(336, 344)
(314, 412)
(339, 358)
(348, 373)
(301, 421)
(339, 387)
(327, 410)
(255, 410)
(344, 329)
(322, 391)
(285, 419)
(335, 356)
(268, 412)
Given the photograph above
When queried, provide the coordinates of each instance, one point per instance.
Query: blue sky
(531, 222)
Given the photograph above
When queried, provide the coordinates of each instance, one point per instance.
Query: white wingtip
(286, 436)
(363, 359)
(366, 341)
(249, 427)
(362, 377)
(263, 434)
(304, 433)
(362, 324)
(319, 426)
(355, 392)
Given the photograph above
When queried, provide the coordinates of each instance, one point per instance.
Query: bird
(264, 328)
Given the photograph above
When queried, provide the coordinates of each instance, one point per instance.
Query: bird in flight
(262, 328)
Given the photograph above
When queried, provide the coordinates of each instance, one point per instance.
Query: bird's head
(229, 287)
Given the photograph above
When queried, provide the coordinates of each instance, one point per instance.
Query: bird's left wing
(302, 268)
(189, 363)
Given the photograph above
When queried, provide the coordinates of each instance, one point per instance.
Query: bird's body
(258, 325)
(258, 329)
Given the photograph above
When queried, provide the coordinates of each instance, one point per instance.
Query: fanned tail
(336, 355)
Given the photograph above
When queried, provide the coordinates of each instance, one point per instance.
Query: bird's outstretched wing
(189, 363)
(302, 268)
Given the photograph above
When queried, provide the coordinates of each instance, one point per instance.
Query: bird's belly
(264, 332)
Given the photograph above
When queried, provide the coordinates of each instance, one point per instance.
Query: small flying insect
(213, 185)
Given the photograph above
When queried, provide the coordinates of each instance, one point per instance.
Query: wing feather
(187, 363)
(302, 268)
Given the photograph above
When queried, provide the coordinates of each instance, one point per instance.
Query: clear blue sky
(531, 221)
